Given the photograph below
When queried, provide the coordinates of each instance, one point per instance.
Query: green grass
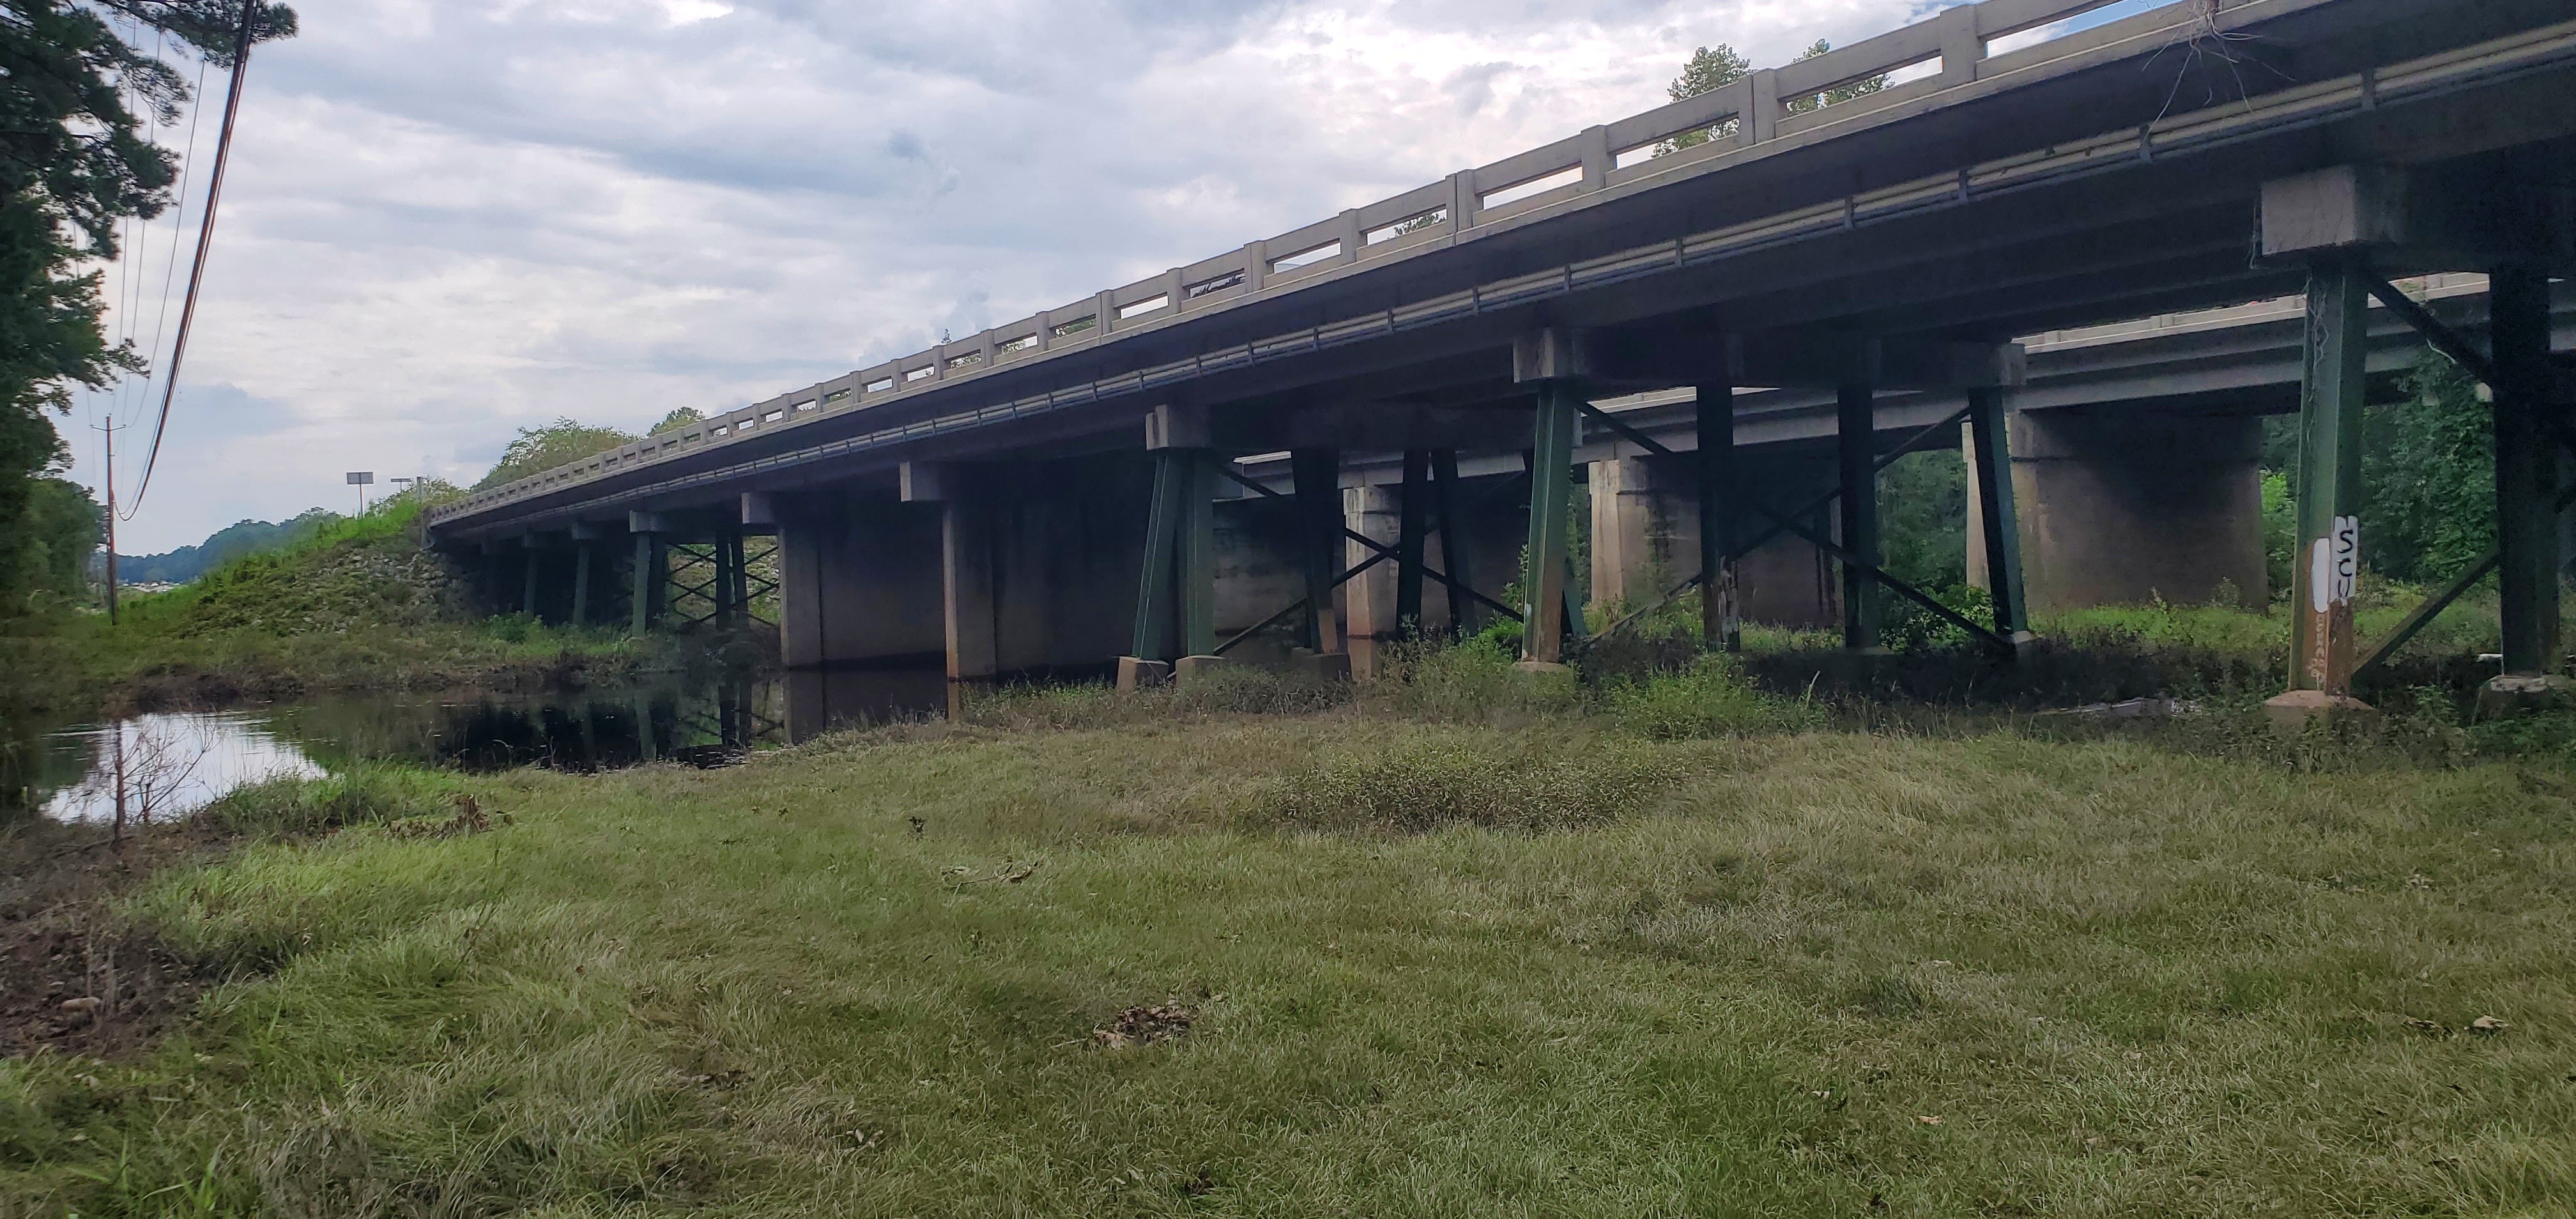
(1529, 961)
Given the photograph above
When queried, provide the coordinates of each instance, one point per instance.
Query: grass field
(1457, 948)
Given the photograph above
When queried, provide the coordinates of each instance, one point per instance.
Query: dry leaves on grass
(1145, 1026)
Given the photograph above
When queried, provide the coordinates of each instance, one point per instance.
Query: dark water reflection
(73, 771)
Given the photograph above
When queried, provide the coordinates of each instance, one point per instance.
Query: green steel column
(2526, 471)
(1543, 577)
(1453, 545)
(1721, 619)
(639, 601)
(1318, 475)
(1412, 513)
(1157, 630)
(720, 591)
(2326, 563)
(657, 592)
(1993, 455)
(528, 582)
(581, 584)
(1856, 444)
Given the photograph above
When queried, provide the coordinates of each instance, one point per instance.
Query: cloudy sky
(448, 219)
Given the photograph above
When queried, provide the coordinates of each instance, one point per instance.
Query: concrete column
(861, 582)
(1260, 564)
(2124, 509)
(1641, 537)
(1376, 513)
(968, 618)
(802, 545)
(1067, 553)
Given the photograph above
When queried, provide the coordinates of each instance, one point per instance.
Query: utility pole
(109, 430)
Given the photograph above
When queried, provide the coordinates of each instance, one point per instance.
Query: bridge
(1044, 497)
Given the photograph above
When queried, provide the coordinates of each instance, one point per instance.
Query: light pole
(360, 479)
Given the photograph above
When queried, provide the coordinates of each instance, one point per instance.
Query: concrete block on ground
(1137, 674)
(1189, 667)
(2522, 694)
(2291, 713)
(1321, 666)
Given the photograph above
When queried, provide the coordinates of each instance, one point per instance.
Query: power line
(178, 226)
(205, 237)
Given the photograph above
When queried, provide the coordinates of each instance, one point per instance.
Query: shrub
(1712, 699)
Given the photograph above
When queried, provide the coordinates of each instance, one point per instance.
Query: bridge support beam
(1413, 516)
(1176, 591)
(1994, 534)
(2527, 475)
(2325, 561)
(581, 560)
(1456, 550)
(1721, 616)
(1317, 474)
(1544, 609)
(528, 577)
(1856, 453)
(651, 576)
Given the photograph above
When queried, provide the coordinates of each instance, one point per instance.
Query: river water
(166, 765)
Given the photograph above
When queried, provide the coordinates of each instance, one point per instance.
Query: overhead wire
(205, 238)
(178, 226)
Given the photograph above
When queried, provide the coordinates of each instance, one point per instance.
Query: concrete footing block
(1189, 667)
(1320, 666)
(1542, 666)
(2292, 712)
(1135, 674)
(2522, 694)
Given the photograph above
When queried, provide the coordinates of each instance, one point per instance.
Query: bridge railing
(1949, 49)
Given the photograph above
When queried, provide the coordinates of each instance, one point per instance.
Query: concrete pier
(2126, 509)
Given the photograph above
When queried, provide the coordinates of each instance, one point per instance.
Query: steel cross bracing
(2163, 140)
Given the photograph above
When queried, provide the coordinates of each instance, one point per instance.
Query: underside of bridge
(1392, 444)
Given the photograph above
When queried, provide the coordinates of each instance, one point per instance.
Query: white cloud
(450, 219)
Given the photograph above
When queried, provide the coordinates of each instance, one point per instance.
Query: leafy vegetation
(560, 443)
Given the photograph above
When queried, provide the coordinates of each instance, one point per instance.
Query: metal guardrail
(1600, 159)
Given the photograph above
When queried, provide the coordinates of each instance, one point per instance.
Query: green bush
(1712, 699)
(1471, 682)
